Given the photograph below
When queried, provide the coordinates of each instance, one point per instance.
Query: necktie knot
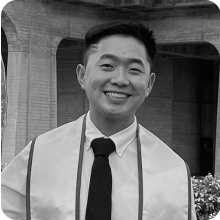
(102, 146)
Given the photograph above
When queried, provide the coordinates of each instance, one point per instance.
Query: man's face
(117, 77)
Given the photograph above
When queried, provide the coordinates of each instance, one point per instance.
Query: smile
(117, 95)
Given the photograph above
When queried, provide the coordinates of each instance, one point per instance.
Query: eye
(135, 70)
(106, 65)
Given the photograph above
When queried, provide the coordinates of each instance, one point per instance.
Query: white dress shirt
(54, 173)
(124, 168)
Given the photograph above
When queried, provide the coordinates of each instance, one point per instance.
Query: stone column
(13, 79)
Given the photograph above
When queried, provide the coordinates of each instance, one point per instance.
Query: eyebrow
(128, 60)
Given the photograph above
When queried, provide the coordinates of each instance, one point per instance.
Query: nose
(119, 78)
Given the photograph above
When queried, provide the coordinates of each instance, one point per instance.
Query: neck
(110, 125)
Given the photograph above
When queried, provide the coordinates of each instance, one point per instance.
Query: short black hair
(127, 28)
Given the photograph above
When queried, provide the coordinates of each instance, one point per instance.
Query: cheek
(92, 86)
(141, 86)
(145, 86)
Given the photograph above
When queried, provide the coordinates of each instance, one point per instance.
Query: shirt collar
(122, 139)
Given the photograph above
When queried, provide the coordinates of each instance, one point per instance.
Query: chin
(115, 113)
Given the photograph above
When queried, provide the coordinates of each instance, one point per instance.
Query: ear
(151, 81)
(80, 72)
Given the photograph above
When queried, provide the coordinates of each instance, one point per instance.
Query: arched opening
(10, 58)
(4, 49)
(182, 108)
(4, 100)
(71, 99)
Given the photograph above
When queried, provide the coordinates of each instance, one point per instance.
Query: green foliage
(207, 196)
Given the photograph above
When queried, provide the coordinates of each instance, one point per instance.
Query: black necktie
(99, 202)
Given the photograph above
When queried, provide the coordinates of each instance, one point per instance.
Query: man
(146, 179)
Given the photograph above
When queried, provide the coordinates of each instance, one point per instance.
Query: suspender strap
(79, 172)
(28, 181)
(189, 193)
(140, 175)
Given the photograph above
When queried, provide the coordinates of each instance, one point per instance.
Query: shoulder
(70, 129)
(57, 144)
(158, 148)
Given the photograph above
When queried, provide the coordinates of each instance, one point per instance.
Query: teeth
(116, 95)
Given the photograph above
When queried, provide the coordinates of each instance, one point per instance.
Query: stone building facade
(44, 40)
